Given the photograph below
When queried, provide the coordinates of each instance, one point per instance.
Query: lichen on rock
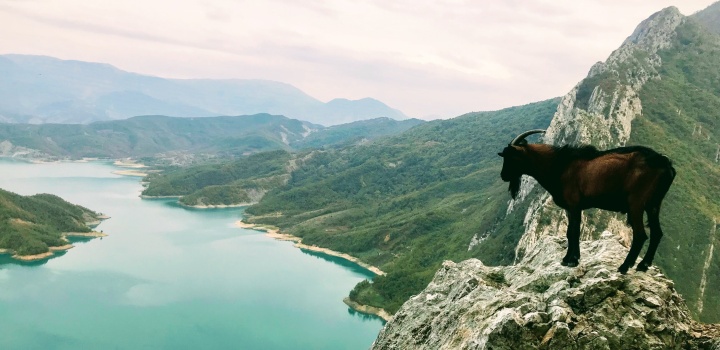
(537, 303)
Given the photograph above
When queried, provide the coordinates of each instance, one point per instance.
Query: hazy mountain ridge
(40, 89)
(150, 136)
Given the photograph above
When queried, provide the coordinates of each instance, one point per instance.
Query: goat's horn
(524, 135)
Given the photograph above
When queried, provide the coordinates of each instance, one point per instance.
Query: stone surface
(538, 303)
(605, 123)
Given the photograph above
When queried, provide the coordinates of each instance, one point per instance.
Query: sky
(429, 59)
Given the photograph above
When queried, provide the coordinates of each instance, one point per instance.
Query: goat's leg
(639, 237)
(655, 236)
(572, 258)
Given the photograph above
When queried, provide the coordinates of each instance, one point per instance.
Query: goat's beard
(514, 187)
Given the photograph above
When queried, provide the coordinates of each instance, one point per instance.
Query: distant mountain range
(151, 135)
(41, 89)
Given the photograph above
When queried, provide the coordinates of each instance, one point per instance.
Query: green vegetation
(680, 118)
(31, 224)
(346, 134)
(408, 202)
(149, 135)
(228, 183)
(223, 137)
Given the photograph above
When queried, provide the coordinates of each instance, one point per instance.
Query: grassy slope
(346, 134)
(225, 183)
(31, 224)
(680, 118)
(146, 136)
(408, 202)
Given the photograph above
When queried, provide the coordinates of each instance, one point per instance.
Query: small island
(35, 227)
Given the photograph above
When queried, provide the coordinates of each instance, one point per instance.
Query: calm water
(167, 277)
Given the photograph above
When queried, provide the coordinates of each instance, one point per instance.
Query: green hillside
(31, 224)
(681, 118)
(149, 136)
(240, 181)
(347, 134)
(408, 202)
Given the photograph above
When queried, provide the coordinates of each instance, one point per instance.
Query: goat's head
(515, 161)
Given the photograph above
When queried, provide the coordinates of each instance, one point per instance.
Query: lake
(169, 277)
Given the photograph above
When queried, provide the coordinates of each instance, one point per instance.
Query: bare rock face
(538, 303)
(603, 119)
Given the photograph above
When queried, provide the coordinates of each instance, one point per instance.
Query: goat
(628, 180)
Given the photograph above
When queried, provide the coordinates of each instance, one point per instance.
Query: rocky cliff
(659, 89)
(599, 111)
(538, 303)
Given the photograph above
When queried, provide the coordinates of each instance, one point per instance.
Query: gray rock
(538, 303)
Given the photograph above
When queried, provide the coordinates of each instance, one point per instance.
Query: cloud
(440, 57)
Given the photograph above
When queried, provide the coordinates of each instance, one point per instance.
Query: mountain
(539, 304)
(433, 193)
(147, 136)
(658, 89)
(31, 225)
(407, 202)
(709, 17)
(40, 89)
(151, 136)
(238, 182)
(359, 131)
(246, 180)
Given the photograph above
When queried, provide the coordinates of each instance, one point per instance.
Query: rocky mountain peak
(599, 111)
(655, 32)
(538, 303)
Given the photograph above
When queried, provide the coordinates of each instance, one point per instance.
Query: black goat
(629, 180)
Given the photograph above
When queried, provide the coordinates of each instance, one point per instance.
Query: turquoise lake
(169, 277)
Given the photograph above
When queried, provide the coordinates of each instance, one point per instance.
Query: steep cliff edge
(599, 111)
(538, 303)
(658, 89)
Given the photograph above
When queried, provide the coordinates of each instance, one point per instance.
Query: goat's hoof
(569, 263)
(623, 269)
(642, 267)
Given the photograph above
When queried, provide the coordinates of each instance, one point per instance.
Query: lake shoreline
(367, 309)
(42, 256)
(215, 206)
(52, 250)
(275, 233)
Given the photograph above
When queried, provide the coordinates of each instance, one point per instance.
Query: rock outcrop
(599, 111)
(538, 303)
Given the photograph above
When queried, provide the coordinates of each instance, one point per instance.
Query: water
(169, 277)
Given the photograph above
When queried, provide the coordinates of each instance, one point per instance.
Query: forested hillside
(681, 118)
(31, 224)
(241, 181)
(408, 202)
(149, 136)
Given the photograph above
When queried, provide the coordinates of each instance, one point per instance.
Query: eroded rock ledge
(540, 304)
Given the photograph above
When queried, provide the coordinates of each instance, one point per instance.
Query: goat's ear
(500, 154)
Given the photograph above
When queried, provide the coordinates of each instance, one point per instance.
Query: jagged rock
(604, 120)
(538, 303)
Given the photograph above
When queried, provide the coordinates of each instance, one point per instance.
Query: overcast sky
(426, 58)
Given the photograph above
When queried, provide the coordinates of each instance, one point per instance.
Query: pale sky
(427, 58)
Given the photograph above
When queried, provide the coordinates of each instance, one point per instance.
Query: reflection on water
(339, 261)
(364, 316)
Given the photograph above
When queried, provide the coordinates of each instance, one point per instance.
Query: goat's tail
(667, 176)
